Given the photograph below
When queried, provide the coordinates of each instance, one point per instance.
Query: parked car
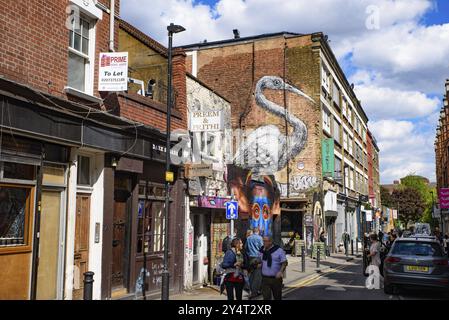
(416, 261)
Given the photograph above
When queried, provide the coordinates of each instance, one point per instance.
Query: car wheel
(388, 288)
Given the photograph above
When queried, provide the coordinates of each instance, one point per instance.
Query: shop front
(134, 233)
(33, 190)
(209, 229)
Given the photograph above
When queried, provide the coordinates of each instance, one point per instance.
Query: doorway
(81, 253)
(121, 238)
(49, 286)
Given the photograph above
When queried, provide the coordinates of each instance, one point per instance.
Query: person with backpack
(234, 265)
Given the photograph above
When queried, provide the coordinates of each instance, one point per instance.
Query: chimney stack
(236, 34)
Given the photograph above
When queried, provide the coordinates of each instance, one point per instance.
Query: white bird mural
(265, 150)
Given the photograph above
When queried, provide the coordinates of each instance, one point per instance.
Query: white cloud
(405, 149)
(387, 103)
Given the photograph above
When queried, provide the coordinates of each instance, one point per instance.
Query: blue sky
(395, 51)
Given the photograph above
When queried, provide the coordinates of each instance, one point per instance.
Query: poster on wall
(113, 72)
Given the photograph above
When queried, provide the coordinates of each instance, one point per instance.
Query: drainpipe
(111, 25)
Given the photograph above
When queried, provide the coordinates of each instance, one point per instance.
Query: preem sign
(206, 121)
(113, 75)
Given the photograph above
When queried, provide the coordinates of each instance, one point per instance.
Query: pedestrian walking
(446, 243)
(345, 238)
(323, 239)
(274, 263)
(234, 265)
(374, 252)
(253, 245)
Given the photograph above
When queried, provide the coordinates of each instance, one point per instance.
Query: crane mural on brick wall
(264, 152)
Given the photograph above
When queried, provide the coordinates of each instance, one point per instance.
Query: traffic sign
(232, 210)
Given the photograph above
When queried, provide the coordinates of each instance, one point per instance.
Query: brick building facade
(442, 153)
(291, 81)
(84, 169)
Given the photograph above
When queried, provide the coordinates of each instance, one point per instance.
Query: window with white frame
(336, 94)
(350, 114)
(337, 168)
(345, 139)
(350, 146)
(326, 120)
(81, 54)
(84, 171)
(347, 177)
(351, 179)
(344, 107)
(326, 78)
(336, 131)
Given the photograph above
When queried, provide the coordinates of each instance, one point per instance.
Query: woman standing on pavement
(374, 251)
(234, 264)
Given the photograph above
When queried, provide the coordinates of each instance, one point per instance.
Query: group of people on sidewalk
(258, 262)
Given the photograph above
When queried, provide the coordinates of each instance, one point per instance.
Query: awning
(330, 213)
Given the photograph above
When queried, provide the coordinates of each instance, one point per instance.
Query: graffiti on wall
(298, 184)
(263, 153)
(266, 150)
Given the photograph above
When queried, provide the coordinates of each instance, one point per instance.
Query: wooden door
(119, 245)
(81, 254)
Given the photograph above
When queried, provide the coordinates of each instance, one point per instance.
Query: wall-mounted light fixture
(114, 162)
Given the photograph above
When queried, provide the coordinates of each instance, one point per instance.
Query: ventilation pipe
(111, 25)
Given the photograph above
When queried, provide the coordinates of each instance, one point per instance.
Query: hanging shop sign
(113, 73)
(206, 121)
(198, 170)
(328, 157)
(211, 202)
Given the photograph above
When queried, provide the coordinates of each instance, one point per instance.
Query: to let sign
(443, 195)
(113, 73)
(206, 121)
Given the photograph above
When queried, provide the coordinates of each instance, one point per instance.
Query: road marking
(335, 289)
(309, 280)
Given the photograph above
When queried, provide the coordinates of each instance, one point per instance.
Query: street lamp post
(172, 29)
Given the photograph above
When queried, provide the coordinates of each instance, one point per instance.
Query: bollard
(303, 260)
(352, 247)
(318, 256)
(88, 285)
(357, 246)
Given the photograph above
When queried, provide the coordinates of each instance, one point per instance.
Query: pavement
(294, 276)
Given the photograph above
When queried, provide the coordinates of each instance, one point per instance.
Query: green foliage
(410, 204)
(415, 199)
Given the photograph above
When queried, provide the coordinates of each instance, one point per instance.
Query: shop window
(19, 171)
(84, 171)
(150, 226)
(14, 216)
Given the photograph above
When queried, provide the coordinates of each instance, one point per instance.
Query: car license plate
(416, 269)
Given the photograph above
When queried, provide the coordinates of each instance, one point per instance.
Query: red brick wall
(34, 42)
(150, 113)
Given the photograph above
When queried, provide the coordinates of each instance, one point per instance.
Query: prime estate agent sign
(113, 75)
